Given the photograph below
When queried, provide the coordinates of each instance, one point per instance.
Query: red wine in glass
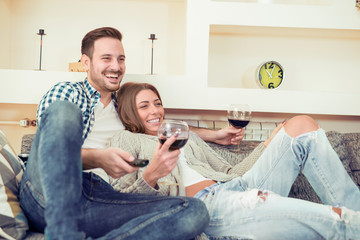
(238, 123)
(169, 128)
(179, 143)
(239, 115)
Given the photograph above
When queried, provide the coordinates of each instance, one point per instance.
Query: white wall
(331, 92)
(5, 33)
(67, 21)
(336, 14)
(15, 112)
(188, 44)
(313, 59)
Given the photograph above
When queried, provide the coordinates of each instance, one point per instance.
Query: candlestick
(41, 33)
(152, 38)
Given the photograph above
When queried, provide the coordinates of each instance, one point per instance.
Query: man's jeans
(68, 204)
(256, 205)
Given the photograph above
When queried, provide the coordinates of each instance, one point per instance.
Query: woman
(247, 200)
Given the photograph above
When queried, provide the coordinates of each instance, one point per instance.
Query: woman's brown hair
(127, 110)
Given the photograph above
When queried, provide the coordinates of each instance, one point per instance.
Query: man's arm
(225, 136)
(112, 160)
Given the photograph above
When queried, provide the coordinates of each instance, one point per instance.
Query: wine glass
(169, 128)
(239, 115)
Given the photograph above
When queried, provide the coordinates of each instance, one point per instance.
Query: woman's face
(150, 110)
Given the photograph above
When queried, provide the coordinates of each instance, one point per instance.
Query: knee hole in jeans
(337, 211)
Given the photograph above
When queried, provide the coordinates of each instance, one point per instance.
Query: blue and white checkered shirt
(80, 93)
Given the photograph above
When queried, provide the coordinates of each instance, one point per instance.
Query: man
(75, 121)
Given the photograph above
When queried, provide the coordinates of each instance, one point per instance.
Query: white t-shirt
(190, 176)
(106, 124)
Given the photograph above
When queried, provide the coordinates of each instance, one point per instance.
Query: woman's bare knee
(299, 125)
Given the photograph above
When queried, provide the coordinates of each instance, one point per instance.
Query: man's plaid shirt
(80, 93)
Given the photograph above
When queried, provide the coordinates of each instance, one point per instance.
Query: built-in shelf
(182, 92)
(321, 60)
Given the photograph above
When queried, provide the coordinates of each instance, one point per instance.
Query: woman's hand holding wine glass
(172, 136)
(170, 128)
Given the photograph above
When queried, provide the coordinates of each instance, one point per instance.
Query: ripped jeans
(255, 206)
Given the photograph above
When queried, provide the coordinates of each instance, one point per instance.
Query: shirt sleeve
(61, 91)
(220, 164)
(242, 167)
(132, 182)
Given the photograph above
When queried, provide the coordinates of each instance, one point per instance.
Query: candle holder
(152, 38)
(41, 33)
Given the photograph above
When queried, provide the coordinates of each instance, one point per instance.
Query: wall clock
(270, 75)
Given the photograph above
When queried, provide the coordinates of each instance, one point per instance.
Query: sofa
(13, 222)
(346, 145)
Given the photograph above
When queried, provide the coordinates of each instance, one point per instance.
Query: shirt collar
(90, 90)
(113, 96)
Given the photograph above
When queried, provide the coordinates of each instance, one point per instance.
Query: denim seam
(289, 215)
(315, 165)
(38, 197)
(323, 180)
(126, 202)
(153, 219)
(266, 176)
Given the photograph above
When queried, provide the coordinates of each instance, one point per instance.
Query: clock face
(270, 75)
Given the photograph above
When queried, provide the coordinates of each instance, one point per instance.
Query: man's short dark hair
(87, 43)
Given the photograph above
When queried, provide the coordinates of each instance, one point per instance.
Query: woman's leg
(301, 146)
(252, 214)
(299, 125)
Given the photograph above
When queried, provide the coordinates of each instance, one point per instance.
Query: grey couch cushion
(352, 143)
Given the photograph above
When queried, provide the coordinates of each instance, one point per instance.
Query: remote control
(139, 162)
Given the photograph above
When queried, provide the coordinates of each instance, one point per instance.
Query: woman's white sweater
(199, 156)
